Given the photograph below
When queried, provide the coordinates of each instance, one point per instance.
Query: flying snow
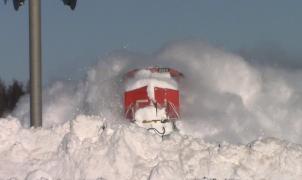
(238, 121)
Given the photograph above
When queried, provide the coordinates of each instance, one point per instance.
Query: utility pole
(35, 63)
(35, 67)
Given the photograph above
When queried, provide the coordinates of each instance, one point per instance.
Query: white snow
(83, 149)
(234, 119)
(150, 113)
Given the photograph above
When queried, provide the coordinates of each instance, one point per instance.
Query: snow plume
(226, 98)
(99, 94)
(223, 97)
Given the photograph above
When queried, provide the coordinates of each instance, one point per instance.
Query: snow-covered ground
(90, 148)
(239, 121)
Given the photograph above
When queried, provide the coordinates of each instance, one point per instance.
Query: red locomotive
(151, 98)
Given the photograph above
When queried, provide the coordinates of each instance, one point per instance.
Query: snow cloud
(223, 96)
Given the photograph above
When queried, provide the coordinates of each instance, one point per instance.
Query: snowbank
(91, 148)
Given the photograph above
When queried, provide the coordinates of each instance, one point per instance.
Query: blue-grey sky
(74, 40)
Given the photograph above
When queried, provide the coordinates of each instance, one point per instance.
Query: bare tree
(9, 96)
(14, 92)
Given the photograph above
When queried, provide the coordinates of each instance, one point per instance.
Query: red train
(151, 98)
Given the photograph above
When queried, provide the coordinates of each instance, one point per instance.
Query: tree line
(10, 95)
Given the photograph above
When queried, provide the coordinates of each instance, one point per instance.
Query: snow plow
(151, 98)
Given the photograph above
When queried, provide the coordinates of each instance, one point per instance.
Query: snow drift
(90, 148)
(223, 99)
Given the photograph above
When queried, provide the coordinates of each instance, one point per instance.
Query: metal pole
(35, 63)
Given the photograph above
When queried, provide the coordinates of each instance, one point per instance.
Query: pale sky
(74, 40)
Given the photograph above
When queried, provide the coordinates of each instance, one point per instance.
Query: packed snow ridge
(89, 147)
